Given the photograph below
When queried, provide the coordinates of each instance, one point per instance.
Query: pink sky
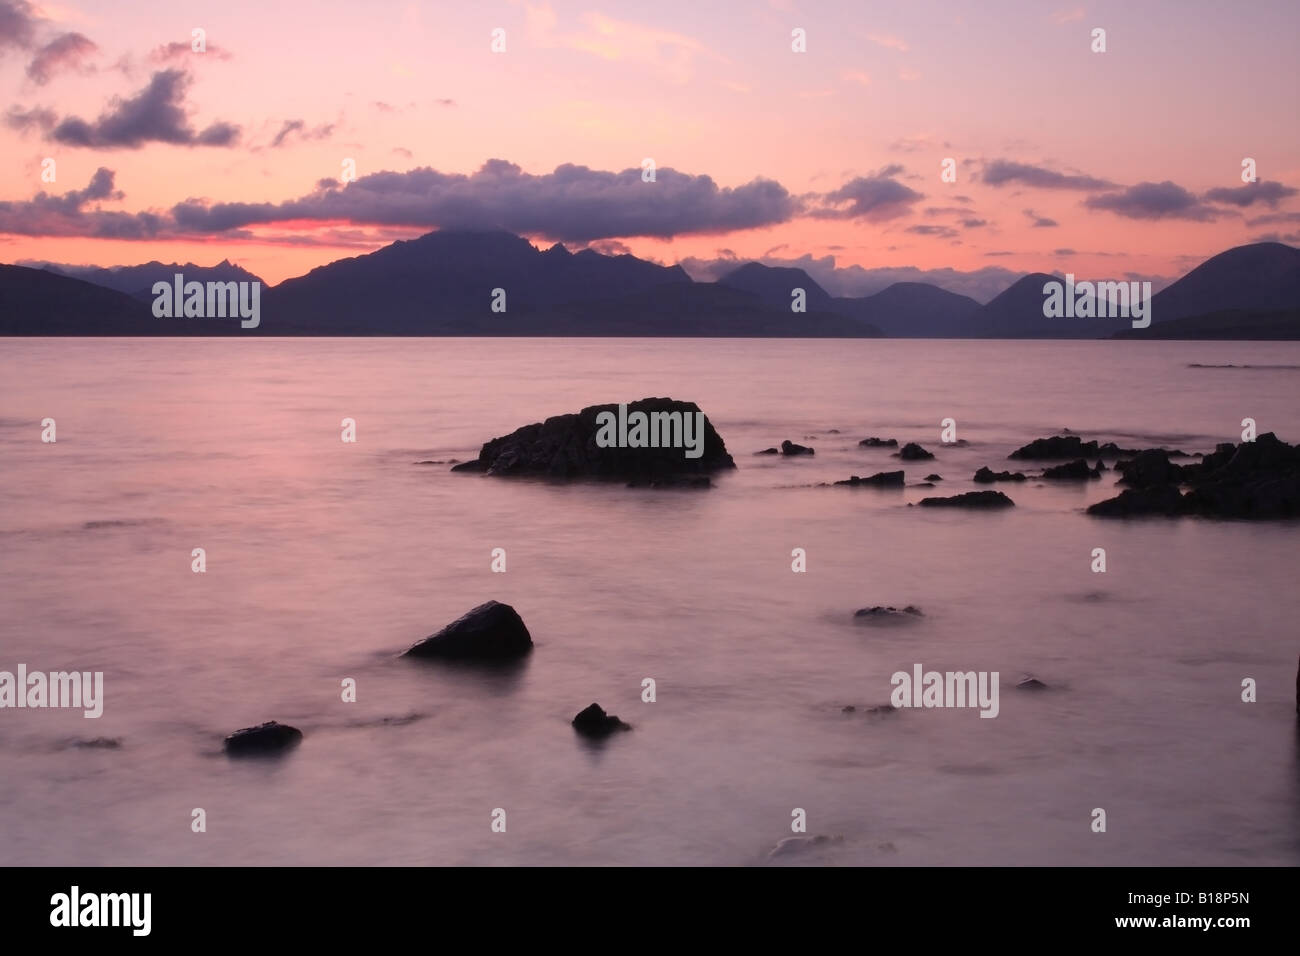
(884, 93)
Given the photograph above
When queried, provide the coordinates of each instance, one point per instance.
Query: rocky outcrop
(1253, 480)
(986, 476)
(881, 479)
(1063, 447)
(489, 632)
(790, 448)
(971, 499)
(1031, 683)
(594, 722)
(268, 738)
(913, 452)
(1148, 469)
(1076, 470)
(879, 443)
(566, 446)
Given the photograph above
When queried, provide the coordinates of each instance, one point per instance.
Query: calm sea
(326, 559)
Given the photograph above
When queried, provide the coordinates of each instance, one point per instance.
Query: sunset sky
(1127, 162)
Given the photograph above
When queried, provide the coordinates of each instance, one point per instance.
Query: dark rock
(881, 614)
(1253, 480)
(490, 632)
(913, 452)
(971, 499)
(1031, 683)
(790, 448)
(1149, 468)
(922, 484)
(564, 446)
(934, 477)
(847, 709)
(1076, 470)
(792, 845)
(270, 737)
(594, 722)
(832, 431)
(986, 476)
(881, 479)
(99, 743)
(879, 443)
(1133, 502)
(768, 451)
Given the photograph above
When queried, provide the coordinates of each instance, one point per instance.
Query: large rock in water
(564, 446)
(268, 738)
(490, 632)
(1256, 480)
(971, 499)
(594, 722)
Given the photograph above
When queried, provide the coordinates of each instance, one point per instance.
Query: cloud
(1000, 172)
(1064, 252)
(17, 25)
(1274, 217)
(154, 115)
(324, 131)
(66, 215)
(170, 52)
(1166, 200)
(1039, 222)
(974, 223)
(1290, 238)
(572, 203)
(943, 232)
(876, 198)
(65, 50)
(36, 118)
(673, 55)
(888, 40)
(1267, 193)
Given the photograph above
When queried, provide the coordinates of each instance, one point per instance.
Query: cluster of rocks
(971, 499)
(1253, 480)
(881, 479)
(1062, 447)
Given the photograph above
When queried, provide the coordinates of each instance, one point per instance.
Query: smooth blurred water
(326, 559)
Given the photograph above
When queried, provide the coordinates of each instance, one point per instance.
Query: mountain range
(497, 283)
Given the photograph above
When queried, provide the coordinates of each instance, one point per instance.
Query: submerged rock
(934, 477)
(1031, 683)
(490, 632)
(878, 614)
(879, 443)
(986, 476)
(790, 448)
(270, 737)
(913, 452)
(881, 479)
(798, 844)
(971, 499)
(1076, 470)
(565, 446)
(594, 722)
(768, 451)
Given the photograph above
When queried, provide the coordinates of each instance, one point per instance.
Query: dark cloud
(1064, 252)
(17, 25)
(942, 232)
(876, 198)
(1290, 238)
(1000, 172)
(324, 131)
(1266, 193)
(1040, 222)
(66, 50)
(66, 215)
(974, 223)
(1166, 200)
(573, 203)
(154, 115)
